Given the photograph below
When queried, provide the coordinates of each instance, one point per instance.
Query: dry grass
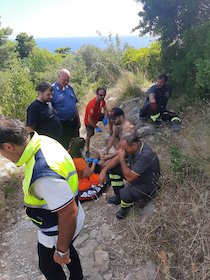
(130, 85)
(177, 237)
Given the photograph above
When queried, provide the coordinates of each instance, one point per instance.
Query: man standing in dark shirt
(139, 166)
(41, 116)
(154, 107)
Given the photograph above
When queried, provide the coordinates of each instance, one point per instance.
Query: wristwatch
(61, 254)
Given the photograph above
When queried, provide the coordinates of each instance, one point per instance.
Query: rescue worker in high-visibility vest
(50, 189)
(139, 166)
(154, 108)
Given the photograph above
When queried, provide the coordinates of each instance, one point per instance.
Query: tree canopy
(170, 19)
(25, 44)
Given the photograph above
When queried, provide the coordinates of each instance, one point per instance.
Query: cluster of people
(54, 169)
(54, 113)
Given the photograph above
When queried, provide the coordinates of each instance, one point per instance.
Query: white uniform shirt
(57, 194)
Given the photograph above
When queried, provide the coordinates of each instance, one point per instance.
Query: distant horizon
(75, 43)
(86, 36)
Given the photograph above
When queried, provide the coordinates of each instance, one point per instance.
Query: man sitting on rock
(120, 127)
(139, 166)
(154, 107)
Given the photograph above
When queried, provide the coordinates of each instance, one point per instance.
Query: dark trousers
(165, 115)
(70, 130)
(52, 270)
(131, 192)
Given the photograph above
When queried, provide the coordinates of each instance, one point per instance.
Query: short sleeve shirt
(145, 163)
(161, 94)
(64, 102)
(44, 120)
(94, 109)
(57, 194)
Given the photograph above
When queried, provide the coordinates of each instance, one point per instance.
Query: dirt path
(104, 255)
(103, 252)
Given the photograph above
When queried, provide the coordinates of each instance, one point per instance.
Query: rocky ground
(103, 252)
(100, 245)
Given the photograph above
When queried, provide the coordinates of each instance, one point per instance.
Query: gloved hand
(89, 160)
(105, 120)
(98, 129)
(95, 160)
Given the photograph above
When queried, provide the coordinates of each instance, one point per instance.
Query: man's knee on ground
(125, 195)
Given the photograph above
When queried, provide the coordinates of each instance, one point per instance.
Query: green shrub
(181, 163)
(16, 92)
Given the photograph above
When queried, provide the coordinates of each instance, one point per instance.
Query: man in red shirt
(95, 110)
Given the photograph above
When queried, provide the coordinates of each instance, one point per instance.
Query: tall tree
(25, 44)
(16, 92)
(4, 33)
(169, 20)
(7, 49)
(63, 51)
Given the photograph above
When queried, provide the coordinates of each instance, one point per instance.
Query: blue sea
(51, 44)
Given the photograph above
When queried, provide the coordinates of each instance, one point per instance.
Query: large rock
(129, 104)
(134, 118)
(145, 272)
(8, 170)
(146, 130)
(102, 260)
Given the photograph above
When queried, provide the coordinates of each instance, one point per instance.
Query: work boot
(157, 123)
(113, 200)
(122, 213)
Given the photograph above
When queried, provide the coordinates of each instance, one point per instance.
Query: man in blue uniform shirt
(65, 103)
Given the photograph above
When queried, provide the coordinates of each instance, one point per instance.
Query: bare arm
(105, 111)
(112, 163)
(128, 174)
(67, 217)
(88, 170)
(111, 140)
(152, 98)
(90, 119)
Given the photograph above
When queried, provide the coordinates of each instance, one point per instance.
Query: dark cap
(115, 112)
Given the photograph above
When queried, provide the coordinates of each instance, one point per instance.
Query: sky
(70, 18)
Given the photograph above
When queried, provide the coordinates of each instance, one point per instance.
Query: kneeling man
(139, 166)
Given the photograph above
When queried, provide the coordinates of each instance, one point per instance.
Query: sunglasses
(102, 95)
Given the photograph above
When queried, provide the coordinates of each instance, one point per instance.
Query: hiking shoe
(122, 213)
(113, 200)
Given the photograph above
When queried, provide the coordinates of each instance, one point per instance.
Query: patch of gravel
(100, 245)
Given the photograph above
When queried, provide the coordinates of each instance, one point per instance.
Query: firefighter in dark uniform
(139, 166)
(154, 107)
